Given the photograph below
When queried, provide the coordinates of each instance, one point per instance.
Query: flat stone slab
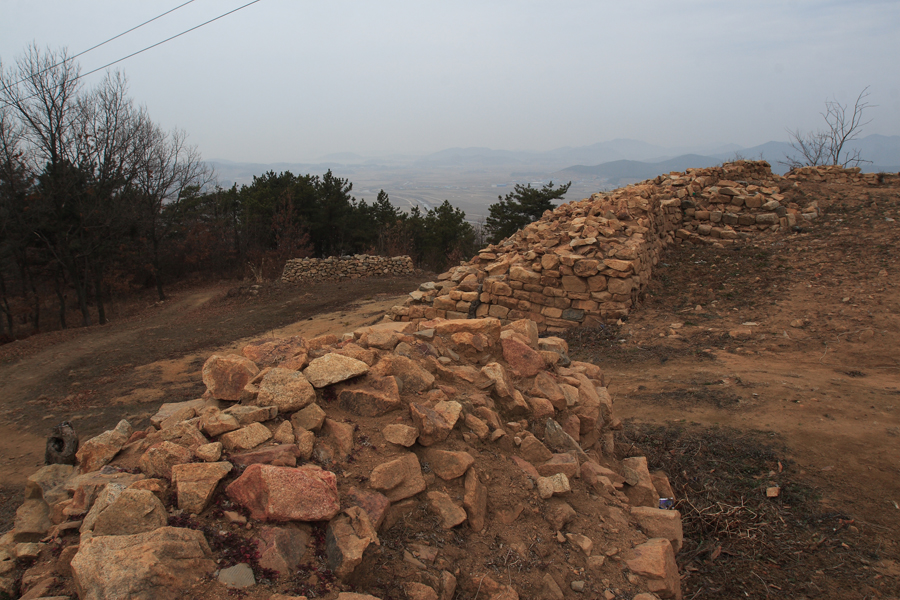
(333, 368)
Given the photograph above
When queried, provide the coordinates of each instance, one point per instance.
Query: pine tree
(520, 207)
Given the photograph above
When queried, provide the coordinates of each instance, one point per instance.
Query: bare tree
(829, 146)
(481, 233)
(15, 182)
(83, 174)
(42, 90)
(108, 147)
(109, 135)
(103, 168)
(168, 168)
(82, 148)
(41, 93)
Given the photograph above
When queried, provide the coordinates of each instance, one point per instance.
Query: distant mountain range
(616, 162)
(635, 170)
(618, 149)
(883, 151)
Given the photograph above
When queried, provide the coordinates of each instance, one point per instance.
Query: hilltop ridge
(687, 339)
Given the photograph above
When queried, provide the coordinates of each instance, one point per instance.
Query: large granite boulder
(158, 565)
(306, 493)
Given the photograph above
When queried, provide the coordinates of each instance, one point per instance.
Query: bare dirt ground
(770, 364)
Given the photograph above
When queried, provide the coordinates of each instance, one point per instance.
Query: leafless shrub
(828, 146)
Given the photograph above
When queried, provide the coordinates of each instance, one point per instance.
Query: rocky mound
(408, 460)
(587, 262)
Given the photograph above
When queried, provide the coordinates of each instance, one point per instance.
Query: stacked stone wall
(586, 262)
(345, 267)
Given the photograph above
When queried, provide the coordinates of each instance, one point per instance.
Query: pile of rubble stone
(431, 460)
(586, 262)
(345, 267)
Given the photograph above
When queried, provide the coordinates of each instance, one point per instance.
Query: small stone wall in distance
(344, 267)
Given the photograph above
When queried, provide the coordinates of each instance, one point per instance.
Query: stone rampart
(344, 267)
(586, 262)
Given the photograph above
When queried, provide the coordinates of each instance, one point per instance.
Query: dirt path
(96, 376)
(840, 428)
(841, 431)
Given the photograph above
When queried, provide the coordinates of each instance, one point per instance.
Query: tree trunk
(81, 290)
(98, 293)
(36, 315)
(61, 295)
(6, 308)
(37, 312)
(9, 318)
(156, 271)
(237, 236)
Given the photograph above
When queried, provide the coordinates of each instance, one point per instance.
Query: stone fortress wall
(462, 423)
(587, 262)
(345, 267)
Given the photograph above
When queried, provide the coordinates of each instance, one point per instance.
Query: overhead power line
(111, 39)
(169, 39)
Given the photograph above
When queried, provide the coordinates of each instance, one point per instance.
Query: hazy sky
(291, 80)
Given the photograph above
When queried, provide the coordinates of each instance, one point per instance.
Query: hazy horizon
(293, 82)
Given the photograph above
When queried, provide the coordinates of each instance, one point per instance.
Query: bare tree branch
(811, 146)
(42, 90)
(829, 146)
(846, 127)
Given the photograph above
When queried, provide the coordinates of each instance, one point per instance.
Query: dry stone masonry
(345, 267)
(441, 436)
(587, 262)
